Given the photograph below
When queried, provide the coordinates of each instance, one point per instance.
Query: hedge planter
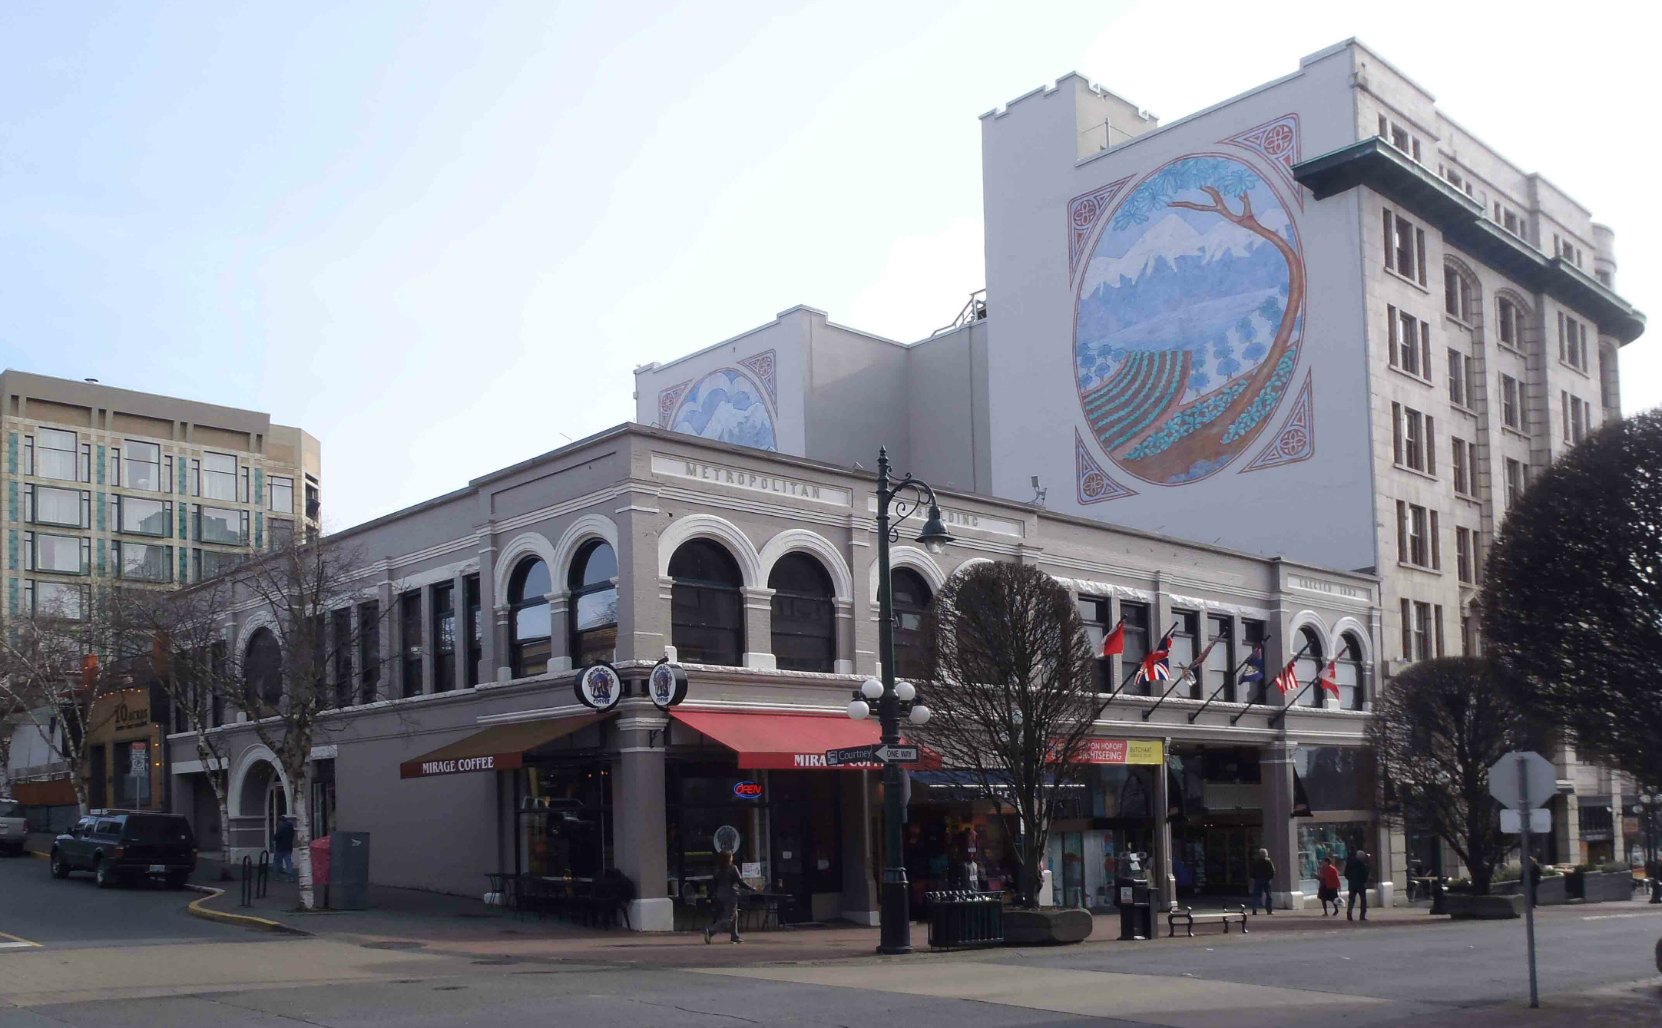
(1467, 907)
(1601, 887)
(1046, 927)
(1549, 891)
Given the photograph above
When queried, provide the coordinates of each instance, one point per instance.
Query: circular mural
(1188, 320)
(727, 406)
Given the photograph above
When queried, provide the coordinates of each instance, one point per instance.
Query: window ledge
(1422, 380)
(1511, 349)
(1400, 277)
(1460, 408)
(1410, 565)
(1580, 371)
(1429, 476)
(1458, 322)
(1509, 430)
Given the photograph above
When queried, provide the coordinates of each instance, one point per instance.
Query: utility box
(349, 870)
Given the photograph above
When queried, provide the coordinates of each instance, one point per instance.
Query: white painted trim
(802, 540)
(585, 527)
(906, 557)
(523, 545)
(1309, 619)
(1356, 628)
(716, 529)
(239, 774)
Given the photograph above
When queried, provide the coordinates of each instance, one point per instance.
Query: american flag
(1287, 680)
(1157, 665)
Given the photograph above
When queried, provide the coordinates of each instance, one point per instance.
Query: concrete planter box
(1467, 907)
(1602, 887)
(1046, 927)
(1549, 892)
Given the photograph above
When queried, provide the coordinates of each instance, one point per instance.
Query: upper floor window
(1465, 467)
(1404, 247)
(1417, 536)
(215, 524)
(910, 596)
(1220, 661)
(141, 465)
(263, 667)
(1457, 294)
(1184, 646)
(1399, 136)
(593, 585)
(1349, 661)
(1456, 179)
(1422, 630)
(282, 494)
(46, 505)
(61, 554)
(1094, 612)
(1516, 482)
(1510, 322)
(144, 562)
(219, 476)
(473, 630)
(55, 454)
(1577, 417)
(1572, 341)
(1414, 439)
(1410, 343)
(1564, 248)
(1509, 219)
(804, 614)
(706, 604)
(444, 637)
(1459, 378)
(531, 625)
(1511, 403)
(1136, 623)
(1311, 664)
(409, 641)
(1465, 554)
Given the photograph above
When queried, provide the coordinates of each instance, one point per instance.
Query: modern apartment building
(1318, 319)
(106, 485)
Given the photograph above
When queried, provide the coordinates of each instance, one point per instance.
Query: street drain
(494, 961)
(448, 988)
(392, 945)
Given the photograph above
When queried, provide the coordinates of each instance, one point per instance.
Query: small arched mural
(1188, 318)
(727, 405)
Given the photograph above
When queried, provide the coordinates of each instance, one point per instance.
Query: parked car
(122, 846)
(13, 829)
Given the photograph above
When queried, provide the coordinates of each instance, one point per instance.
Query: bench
(1188, 918)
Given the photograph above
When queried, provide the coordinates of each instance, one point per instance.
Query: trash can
(349, 871)
(962, 919)
(1131, 894)
(320, 867)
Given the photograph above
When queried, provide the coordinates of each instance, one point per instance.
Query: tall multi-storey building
(1318, 319)
(106, 485)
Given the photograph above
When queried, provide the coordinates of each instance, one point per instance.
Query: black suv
(123, 845)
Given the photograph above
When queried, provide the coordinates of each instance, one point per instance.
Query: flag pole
(1180, 678)
(1223, 684)
(1296, 656)
(1127, 679)
(1300, 694)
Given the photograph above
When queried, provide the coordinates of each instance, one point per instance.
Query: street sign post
(851, 755)
(897, 754)
(1523, 780)
(1540, 822)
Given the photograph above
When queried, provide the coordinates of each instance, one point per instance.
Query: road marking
(16, 942)
(1612, 917)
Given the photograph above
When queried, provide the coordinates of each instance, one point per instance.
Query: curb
(197, 909)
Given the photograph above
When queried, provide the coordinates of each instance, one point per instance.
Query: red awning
(787, 742)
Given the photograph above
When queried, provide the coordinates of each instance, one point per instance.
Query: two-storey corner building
(1318, 319)
(459, 743)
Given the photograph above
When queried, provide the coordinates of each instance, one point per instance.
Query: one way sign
(896, 754)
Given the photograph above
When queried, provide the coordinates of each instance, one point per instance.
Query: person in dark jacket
(1358, 869)
(282, 848)
(728, 886)
(1263, 873)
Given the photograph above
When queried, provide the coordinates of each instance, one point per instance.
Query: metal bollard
(247, 881)
(263, 873)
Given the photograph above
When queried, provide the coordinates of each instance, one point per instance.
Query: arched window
(804, 618)
(1459, 292)
(531, 625)
(263, 667)
(593, 584)
(1310, 667)
(910, 596)
(1351, 692)
(706, 605)
(1509, 322)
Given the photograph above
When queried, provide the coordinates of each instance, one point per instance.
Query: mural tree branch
(1014, 698)
(1572, 605)
(1436, 730)
(284, 685)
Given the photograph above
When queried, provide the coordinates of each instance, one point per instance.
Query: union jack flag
(1287, 680)
(1157, 665)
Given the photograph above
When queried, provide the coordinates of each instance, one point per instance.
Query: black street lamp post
(1647, 808)
(905, 497)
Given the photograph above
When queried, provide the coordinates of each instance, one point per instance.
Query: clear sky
(440, 236)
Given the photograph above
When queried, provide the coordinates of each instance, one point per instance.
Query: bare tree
(284, 683)
(52, 675)
(1014, 698)
(1437, 729)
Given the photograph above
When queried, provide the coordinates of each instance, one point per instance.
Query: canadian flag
(1330, 678)
(1113, 644)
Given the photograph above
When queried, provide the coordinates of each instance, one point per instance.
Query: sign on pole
(896, 754)
(1540, 822)
(851, 755)
(1537, 774)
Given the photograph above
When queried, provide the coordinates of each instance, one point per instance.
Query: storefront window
(1336, 778)
(1338, 839)
(565, 821)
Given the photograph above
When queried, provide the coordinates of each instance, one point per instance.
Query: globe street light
(906, 498)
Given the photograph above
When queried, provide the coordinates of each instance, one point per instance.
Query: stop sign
(1508, 785)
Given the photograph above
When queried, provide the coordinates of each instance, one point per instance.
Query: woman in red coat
(1327, 877)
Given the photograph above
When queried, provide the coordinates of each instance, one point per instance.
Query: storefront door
(804, 841)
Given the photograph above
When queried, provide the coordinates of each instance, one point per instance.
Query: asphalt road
(75, 913)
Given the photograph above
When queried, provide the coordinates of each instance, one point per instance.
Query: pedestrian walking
(1358, 869)
(282, 848)
(728, 886)
(1263, 873)
(1327, 887)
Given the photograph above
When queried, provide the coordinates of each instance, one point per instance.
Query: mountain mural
(727, 406)
(1188, 319)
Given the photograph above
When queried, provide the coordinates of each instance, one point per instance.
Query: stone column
(459, 658)
(428, 644)
(491, 656)
(641, 819)
(386, 675)
(1161, 878)
(758, 629)
(1280, 831)
(504, 654)
(844, 615)
(560, 657)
